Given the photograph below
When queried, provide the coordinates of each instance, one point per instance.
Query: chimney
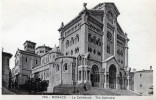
(150, 68)
(134, 70)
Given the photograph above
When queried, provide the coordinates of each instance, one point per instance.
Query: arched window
(26, 59)
(98, 42)
(79, 75)
(88, 49)
(121, 53)
(110, 16)
(65, 66)
(94, 40)
(71, 52)
(79, 60)
(72, 41)
(89, 37)
(36, 61)
(99, 53)
(77, 49)
(67, 43)
(77, 38)
(108, 49)
(109, 36)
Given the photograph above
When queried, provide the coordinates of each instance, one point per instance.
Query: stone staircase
(123, 92)
(101, 91)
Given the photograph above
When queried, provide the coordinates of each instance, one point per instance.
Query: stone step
(101, 91)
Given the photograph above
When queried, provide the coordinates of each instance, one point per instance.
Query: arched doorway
(95, 77)
(112, 77)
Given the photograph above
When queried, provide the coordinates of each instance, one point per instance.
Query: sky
(39, 21)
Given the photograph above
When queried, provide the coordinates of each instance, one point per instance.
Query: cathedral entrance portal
(112, 77)
(95, 77)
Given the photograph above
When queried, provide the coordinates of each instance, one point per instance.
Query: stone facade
(92, 48)
(5, 69)
(99, 48)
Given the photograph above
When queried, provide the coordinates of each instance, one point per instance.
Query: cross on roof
(84, 5)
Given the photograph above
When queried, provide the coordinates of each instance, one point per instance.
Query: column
(82, 78)
(86, 75)
(117, 81)
(106, 84)
(123, 84)
(84, 61)
(76, 72)
(126, 51)
(128, 87)
(89, 75)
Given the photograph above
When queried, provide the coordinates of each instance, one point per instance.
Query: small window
(140, 85)
(99, 53)
(71, 52)
(36, 61)
(26, 59)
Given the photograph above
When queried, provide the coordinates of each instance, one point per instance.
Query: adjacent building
(25, 60)
(6, 69)
(143, 82)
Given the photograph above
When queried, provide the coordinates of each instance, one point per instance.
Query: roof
(107, 3)
(43, 46)
(7, 54)
(55, 49)
(26, 52)
(78, 17)
(143, 71)
(29, 42)
(73, 21)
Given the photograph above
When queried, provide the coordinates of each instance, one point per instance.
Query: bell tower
(29, 46)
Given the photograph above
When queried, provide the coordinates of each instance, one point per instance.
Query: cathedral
(92, 49)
